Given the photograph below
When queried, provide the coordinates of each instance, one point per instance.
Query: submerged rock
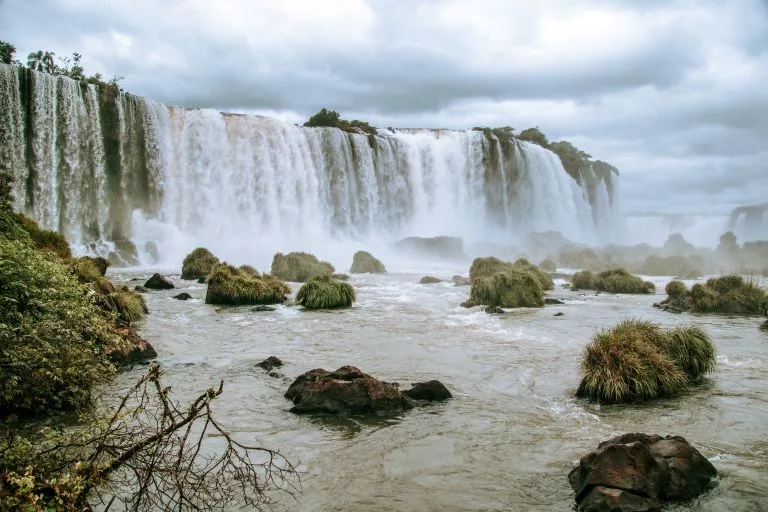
(140, 289)
(432, 390)
(340, 277)
(429, 280)
(551, 302)
(493, 310)
(182, 296)
(344, 391)
(764, 327)
(638, 472)
(559, 314)
(270, 363)
(262, 308)
(158, 282)
(131, 349)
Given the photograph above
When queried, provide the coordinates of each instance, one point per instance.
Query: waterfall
(112, 171)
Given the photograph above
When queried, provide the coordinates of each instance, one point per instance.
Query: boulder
(432, 390)
(639, 472)
(299, 267)
(344, 391)
(364, 262)
(182, 296)
(461, 281)
(341, 277)
(158, 282)
(131, 349)
(270, 363)
(198, 264)
(429, 280)
(140, 289)
(551, 302)
(559, 314)
(764, 326)
(262, 308)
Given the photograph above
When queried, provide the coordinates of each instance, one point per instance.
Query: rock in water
(270, 363)
(344, 391)
(432, 390)
(158, 282)
(552, 302)
(182, 296)
(429, 280)
(364, 262)
(638, 472)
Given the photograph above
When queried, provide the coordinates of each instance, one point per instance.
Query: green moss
(637, 360)
(44, 239)
(364, 262)
(616, 280)
(324, 292)
(512, 288)
(86, 269)
(198, 264)
(676, 289)
(548, 265)
(232, 286)
(299, 267)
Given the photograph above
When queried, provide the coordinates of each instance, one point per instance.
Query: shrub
(364, 262)
(548, 265)
(129, 304)
(88, 270)
(299, 267)
(232, 286)
(637, 360)
(676, 289)
(44, 239)
(487, 267)
(324, 292)
(615, 280)
(728, 294)
(512, 288)
(199, 263)
(584, 280)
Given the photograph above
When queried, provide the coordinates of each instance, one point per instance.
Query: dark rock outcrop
(364, 262)
(182, 296)
(432, 390)
(639, 472)
(158, 282)
(429, 280)
(270, 363)
(262, 308)
(552, 302)
(131, 349)
(344, 391)
(140, 289)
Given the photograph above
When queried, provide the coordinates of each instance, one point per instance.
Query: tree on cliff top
(324, 118)
(7, 50)
(534, 135)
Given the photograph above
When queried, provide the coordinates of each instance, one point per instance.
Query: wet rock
(432, 390)
(270, 363)
(131, 349)
(340, 277)
(140, 289)
(429, 280)
(344, 391)
(262, 308)
(550, 301)
(559, 314)
(182, 296)
(567, 286)
(468, 303)
(158, 282)
(638, 472)
(764, 326)
(276, 375)
(202, 280)
(461, 281)
(493, 310)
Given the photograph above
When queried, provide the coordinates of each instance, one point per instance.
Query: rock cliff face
(92, 163)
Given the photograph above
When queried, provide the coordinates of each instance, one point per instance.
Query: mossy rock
(429, 280)
(637, 360)
(616, 280)
(486, 267)
(365, 263)
(87, 269)
(129, 305)
(511, 288)
(729, 294)
(676, 289)
(299, 267)
(548, 265)
(228, 285)
(324, 292)
(198, 264)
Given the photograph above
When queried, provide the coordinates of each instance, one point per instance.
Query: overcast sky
(674, 93)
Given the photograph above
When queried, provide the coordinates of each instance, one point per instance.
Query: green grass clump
(199, 263)
(616, 280)
(238, 287)
(512, 288)
(636, 360)
(729, 294)
(676, 289)
(43, 239)
(129, 304)
(548, 265)
(487, 267)
(299, 267)
(365, 263)
(324, 292)
(88, 269)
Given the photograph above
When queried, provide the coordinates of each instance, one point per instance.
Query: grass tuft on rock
(299, 267)
(637, 360)
(616, 280)
(512, 288)
(129, 304)
(486, 267)
(238, 287)
(324, 292)
(198, 264)
(43, 239)
(365, 263)
(729, 294)
(676, 289)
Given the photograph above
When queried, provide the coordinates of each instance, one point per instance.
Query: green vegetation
(512, 288)
(299, 267)
(616, 280)
(88, 269)
(324, 292)
(239, 287)
(331, 118)
(548, 265)
(42, 239)
(534, 135)
(486, 267)
(7, 51)
(729, 294)
(676, 289)
(365, 263)
(198, 264)
(637, 360)
(129, 305)
(680, 266)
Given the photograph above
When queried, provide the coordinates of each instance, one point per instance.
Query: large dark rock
(182, 296)
(432, 390)
(158, 282)
(344, 391)
(638, 472)
(131, 349)
(551, 302)
(270, 363)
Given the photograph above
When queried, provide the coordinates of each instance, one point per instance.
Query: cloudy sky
(674, 93)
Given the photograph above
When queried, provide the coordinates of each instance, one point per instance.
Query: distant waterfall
(110, 169)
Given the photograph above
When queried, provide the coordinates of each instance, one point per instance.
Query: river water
(513, 430)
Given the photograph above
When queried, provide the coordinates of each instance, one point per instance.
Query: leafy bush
(616, 280)
(88, 270)
(324, 292)
(299, 267)
(232, 286)
(43, 239)
(364, 262)
(637, 360)
(676, 289)
(331, 118)
(199, 263)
